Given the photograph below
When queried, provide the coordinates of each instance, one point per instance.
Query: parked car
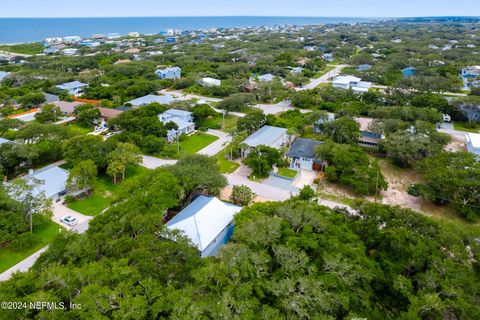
(69, 220)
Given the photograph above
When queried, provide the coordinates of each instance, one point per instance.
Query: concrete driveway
(304, 178)
(154, 163)
(279, 107)
(59, 210)
(263, 190)
(217, 146)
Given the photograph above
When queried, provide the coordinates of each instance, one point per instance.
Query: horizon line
(244, 16)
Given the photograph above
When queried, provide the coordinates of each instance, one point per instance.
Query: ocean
(21, 30)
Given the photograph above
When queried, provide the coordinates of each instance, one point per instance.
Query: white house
(209, 82)
(3, 75)
(208, 222)
(266, 77)
(52, 181)
(351, 82)
(183, 119)
(72, 39)
(269, 136)
(471, 76)
(74, 88)
(473, 143)
(169, 73)
(70, 51)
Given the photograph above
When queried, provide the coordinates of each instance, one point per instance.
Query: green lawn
(44, 233)
(230, 122)
(196, 142)
(24, 48)
(226, 166)
(77, 128)
(103, 193)
(462, 127)
(288, 173)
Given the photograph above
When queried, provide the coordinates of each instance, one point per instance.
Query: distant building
(471, 76)
(49, 98)
(70, 51)
(408, 72)
(310, 48)
(351, 82)
(473, 143)
(134, 34)
(72, 39)
(328, 57)
(269, 136)
(109, 113)
(3, 75)
(51, 50)
(302, 154)
(67, 108)
(364, 67)
(3, 140)
(368, 138)
(183, 119)
(209, 82)
(171, 40)
(74, 88)
(208, 222)
(52, 41)
(113, 35)
(169, 73)
(296, 70)
(266, 77)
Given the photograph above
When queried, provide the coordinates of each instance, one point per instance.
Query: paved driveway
(263, 190)
(323, 79)
(303, 179)
(217, 146)
(281, 183)
(279, 107)
(59, 210)
(153, 162)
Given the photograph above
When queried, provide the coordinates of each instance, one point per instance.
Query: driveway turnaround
(263, 190)
(217, 146)
(59, 211)
(154, 163)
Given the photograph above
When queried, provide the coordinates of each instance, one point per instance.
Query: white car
(69, 220)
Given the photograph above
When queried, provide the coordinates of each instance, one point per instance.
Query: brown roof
(108, 113)
(67, 107)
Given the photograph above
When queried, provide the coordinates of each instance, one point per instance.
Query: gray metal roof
(178, 113)
(71, 85)
(53, 181)
(303, 148)
(266, 136)
(151, 98)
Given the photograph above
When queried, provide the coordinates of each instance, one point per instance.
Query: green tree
(342, 130)
(252, 121)
(87, 115)
(49, 113)
(82, 176)
(242, 195)
(261, 159)
(124, 154)
(31, 99)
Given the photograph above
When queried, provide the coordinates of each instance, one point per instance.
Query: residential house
(328, 57)
(408, 72)
(49, 98)
(169, 73)
(209, 82)
(109, 113)
(302, 154)
(3, 140)
(74, 88)
(3, 75)
(351, 82)
(266, 77)
(208, 222)
(72, 39)
(473, 143)
(52, 41)
(364, 67)
(67, 108)
(52, 181)
(318, 126)
(70, 51)
(368, 138)
(183, 119)
(151, 98)
(269, 136)
(296, 70)
(51, 50)
(471, 76)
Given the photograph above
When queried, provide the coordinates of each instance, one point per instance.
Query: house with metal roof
(351, 82)
(209, 82)
(269, 136)
(52, 181)
(364, 67)
(368, 138)
(49, 98)
(74, 88)
(183, 119)
(208, 222)
(408, 72)
(473, 143)
(3, 140)
(266, 77)
(169, 73)
(302, 154)
(3, 75)
(151, 98)
(66, 107)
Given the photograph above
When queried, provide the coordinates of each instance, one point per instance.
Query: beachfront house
(269, 136)
(473, 143)
(209, 82)
(408, 72)
(3, 75)
(183, 119)
(169, 73)
(74, 88)
(368, 138)
(351, 82)
(302, 154)
(471, 77)
(207, 222)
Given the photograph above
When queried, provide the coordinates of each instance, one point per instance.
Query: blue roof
(266, 136)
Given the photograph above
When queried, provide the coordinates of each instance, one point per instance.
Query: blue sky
(332, 8)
